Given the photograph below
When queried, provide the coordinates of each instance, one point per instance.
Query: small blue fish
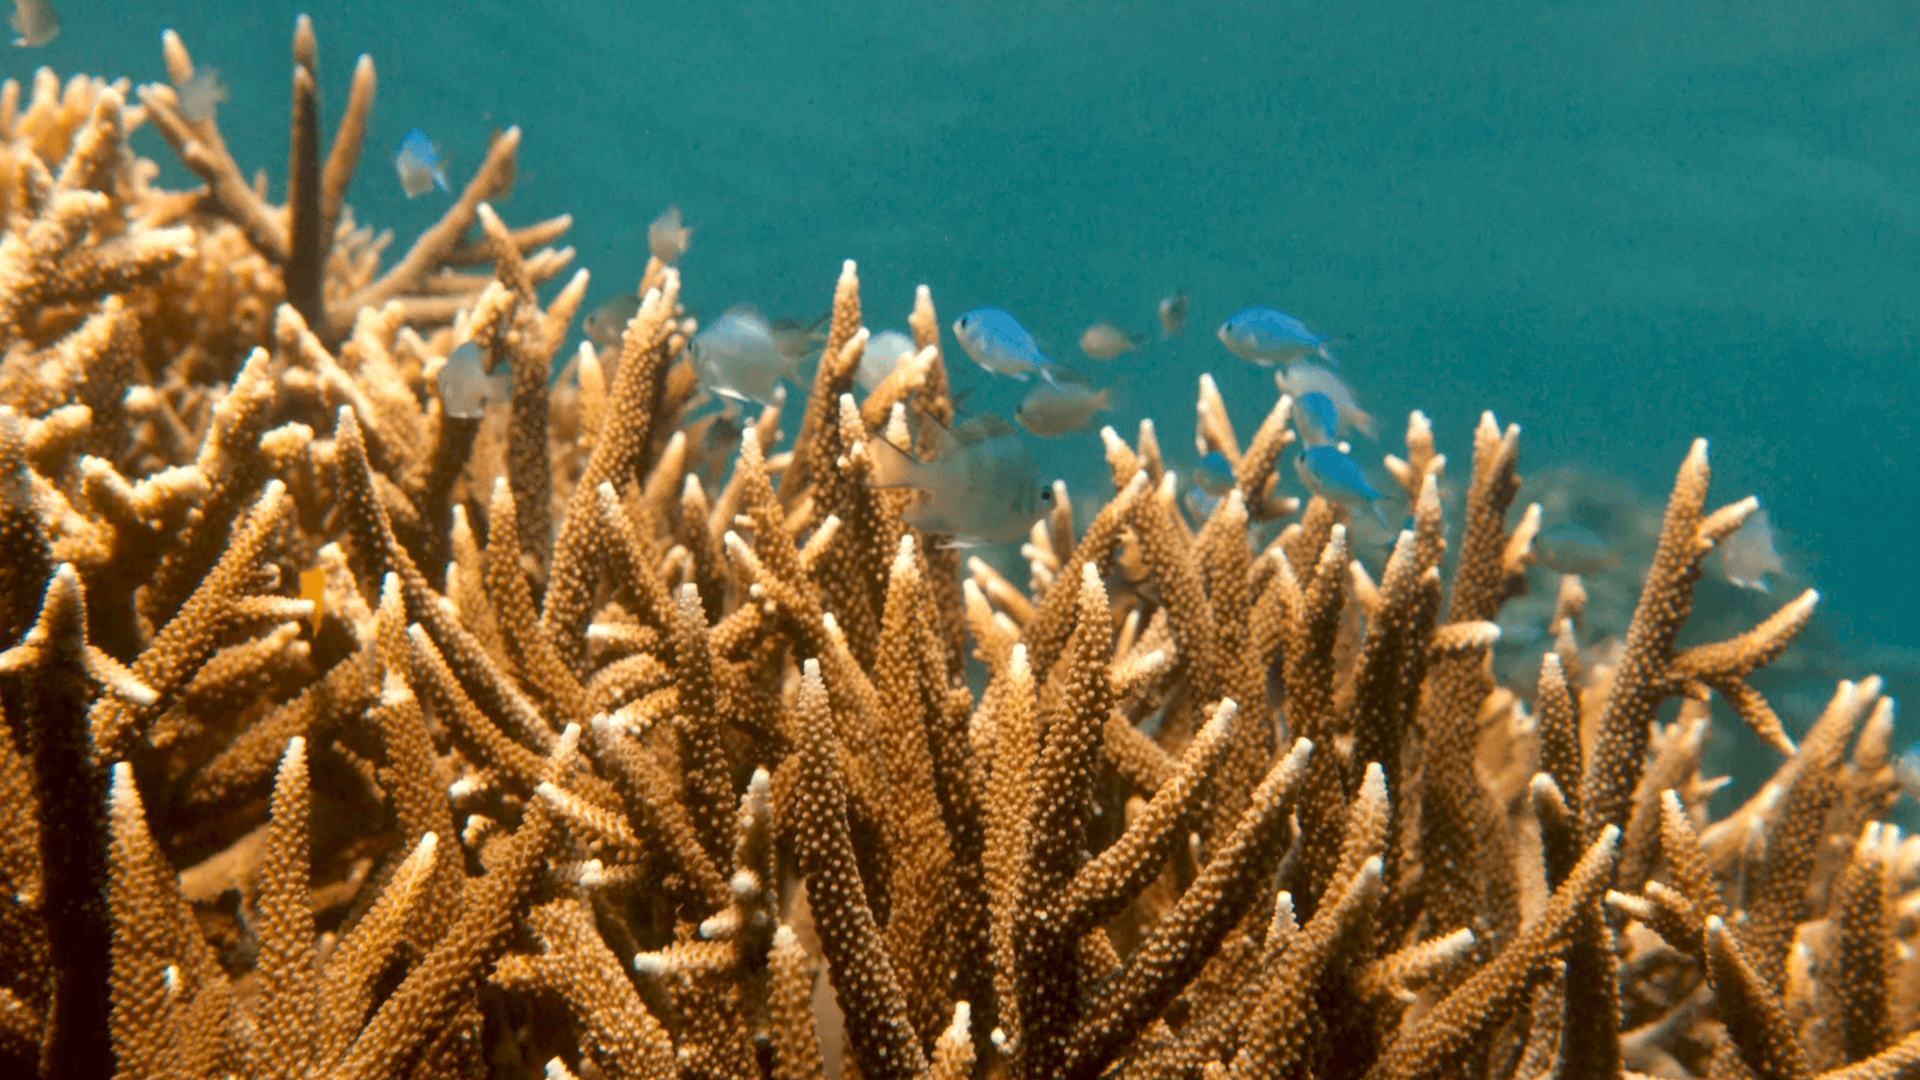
(1269, 336)
(418, 163)
(1333, 475)
(996, 341)
(466, 388)
(1214, 474)
(1317, 417)
(1572, 548)
(985, 483)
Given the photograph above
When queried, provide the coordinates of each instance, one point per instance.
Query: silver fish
(1572, 548)
(1302, 378)
(1749, 555)
(797, 340)
(737, 357)
(1907, 772)
(985, 483)
(1173, 315)
(1055, 410)
(713, 438)
(1104, 341)
(884, 352)
(35, 22)
(605, 324)
(465, 387)
(667, 238)
(508, 173)
(201, 95)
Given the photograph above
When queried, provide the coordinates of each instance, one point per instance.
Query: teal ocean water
(1620, 226)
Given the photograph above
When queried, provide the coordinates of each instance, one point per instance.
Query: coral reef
(348, 738)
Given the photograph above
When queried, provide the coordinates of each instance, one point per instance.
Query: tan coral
(673, 751)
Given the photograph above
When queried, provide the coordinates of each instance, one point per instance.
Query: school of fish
(983, 483)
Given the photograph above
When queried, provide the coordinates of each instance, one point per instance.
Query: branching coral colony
(491, 745)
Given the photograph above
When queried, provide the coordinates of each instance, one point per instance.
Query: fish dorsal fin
(894, 467)
(1065, 374)
(808, 332)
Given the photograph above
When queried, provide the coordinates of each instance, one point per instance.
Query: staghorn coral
(344, 738)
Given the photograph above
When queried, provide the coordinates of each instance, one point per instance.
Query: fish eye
(1046, 494)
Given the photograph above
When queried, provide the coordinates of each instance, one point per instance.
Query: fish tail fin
(802, 369)
(499, 385)
(1362, 421)
(892, 466)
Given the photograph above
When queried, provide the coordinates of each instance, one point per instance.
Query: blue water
(1619, 225)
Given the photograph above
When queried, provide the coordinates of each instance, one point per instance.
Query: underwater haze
(1618, 225)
